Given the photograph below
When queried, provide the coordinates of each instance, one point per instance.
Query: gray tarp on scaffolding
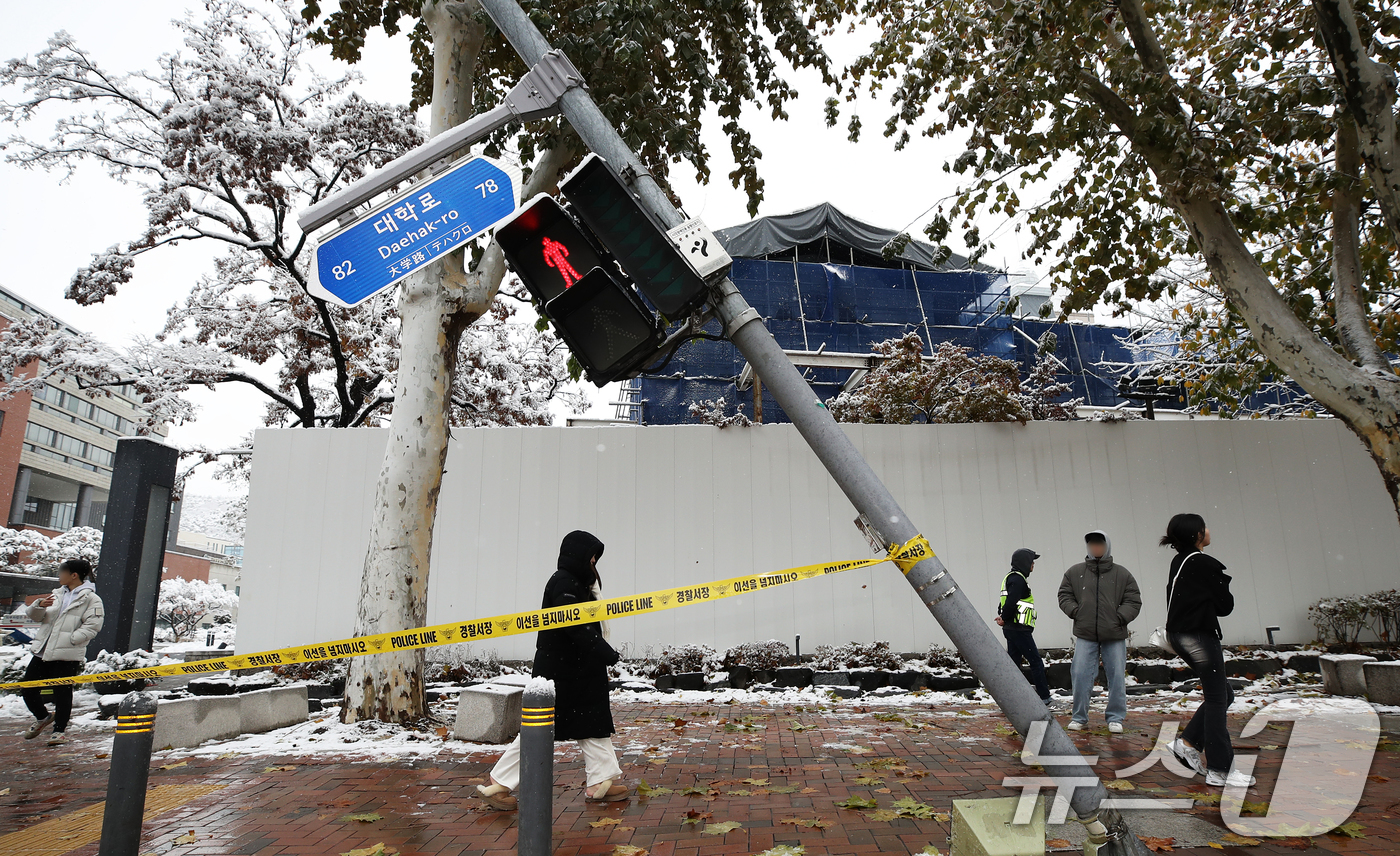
(758, 238)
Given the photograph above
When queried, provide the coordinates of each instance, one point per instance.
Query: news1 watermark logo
(1325, 762)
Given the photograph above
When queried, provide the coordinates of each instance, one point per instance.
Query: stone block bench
(1342, 674)
(1382, 682)
(270, 709)
(185, 723)
(490, 712)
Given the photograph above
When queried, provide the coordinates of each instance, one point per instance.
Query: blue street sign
(423, 223)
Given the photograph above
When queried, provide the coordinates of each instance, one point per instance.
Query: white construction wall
(1296, 508)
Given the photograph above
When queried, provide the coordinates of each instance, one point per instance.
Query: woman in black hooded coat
(576, 659)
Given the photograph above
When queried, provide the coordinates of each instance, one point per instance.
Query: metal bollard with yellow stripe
(536, 791)
(128, 776)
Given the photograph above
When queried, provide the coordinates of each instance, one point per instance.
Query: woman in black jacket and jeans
(1198, 593)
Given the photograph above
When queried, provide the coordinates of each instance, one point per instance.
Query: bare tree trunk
(437, 304)
(394, 582)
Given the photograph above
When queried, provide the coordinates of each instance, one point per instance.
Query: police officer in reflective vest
(1016, 615)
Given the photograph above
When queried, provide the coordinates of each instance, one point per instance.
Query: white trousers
(599, 763)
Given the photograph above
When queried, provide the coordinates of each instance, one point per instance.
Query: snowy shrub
(1383, 613)
(758, 655)
(112, 661)
(1114, 416)
(856, 655)
(317, 671)
(13, 661)
(461, 664)
(686, 658)
(940, 657)
(184, 603)
(1342, 619)
(953, 384)
(712, 412)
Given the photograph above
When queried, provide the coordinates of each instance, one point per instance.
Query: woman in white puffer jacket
(69, 619)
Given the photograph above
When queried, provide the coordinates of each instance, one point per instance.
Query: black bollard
(126, 781)
(536, 794)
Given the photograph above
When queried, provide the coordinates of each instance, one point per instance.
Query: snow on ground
(326, 735)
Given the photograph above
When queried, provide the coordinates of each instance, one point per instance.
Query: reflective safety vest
(1025, 607)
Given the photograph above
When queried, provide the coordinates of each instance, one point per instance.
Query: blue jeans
(1087, 655)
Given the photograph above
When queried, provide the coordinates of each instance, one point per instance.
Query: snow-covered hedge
(856, 655)
(1343, 619)
(758, 655)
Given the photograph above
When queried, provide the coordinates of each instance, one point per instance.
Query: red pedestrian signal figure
(556, 255)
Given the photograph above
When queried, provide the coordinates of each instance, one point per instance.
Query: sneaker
(57, 739)
(1116, 727)
(606, 792)
(1075, 725)
(1189, 757)
(38, 728)
(1234, 779)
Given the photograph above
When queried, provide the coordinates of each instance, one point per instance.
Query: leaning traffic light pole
(932, 582)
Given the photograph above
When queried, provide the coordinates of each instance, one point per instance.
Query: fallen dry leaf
(1239, 840)
(364, 817)
(282, 769)
(372, 850)
(1380, 780)
(187, 838)
(1157, 845)
(1057, 843)
(1296, 843)
(607, 821)
(696, 817)
(722, 828)
(1119, 785)
(173, 766)
(628, 850)
(100, 755)
(5, 792)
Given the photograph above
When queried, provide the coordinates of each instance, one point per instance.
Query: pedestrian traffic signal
(608, 328)
(546, 248)
(640, 245)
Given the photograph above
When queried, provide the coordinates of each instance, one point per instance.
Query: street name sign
(415, 227)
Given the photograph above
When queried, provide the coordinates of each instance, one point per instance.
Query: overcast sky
(48, 230)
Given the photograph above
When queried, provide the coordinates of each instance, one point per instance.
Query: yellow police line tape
(904, 556)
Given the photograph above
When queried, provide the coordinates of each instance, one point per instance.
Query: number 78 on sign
(415, 227)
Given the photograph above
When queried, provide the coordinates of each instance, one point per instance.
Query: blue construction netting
(849, 308)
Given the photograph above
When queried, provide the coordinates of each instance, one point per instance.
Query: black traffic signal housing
(640, 244)
(606, 326)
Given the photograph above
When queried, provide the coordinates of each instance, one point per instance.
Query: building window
(238, 591)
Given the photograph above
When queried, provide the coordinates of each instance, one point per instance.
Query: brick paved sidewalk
(777, 770)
